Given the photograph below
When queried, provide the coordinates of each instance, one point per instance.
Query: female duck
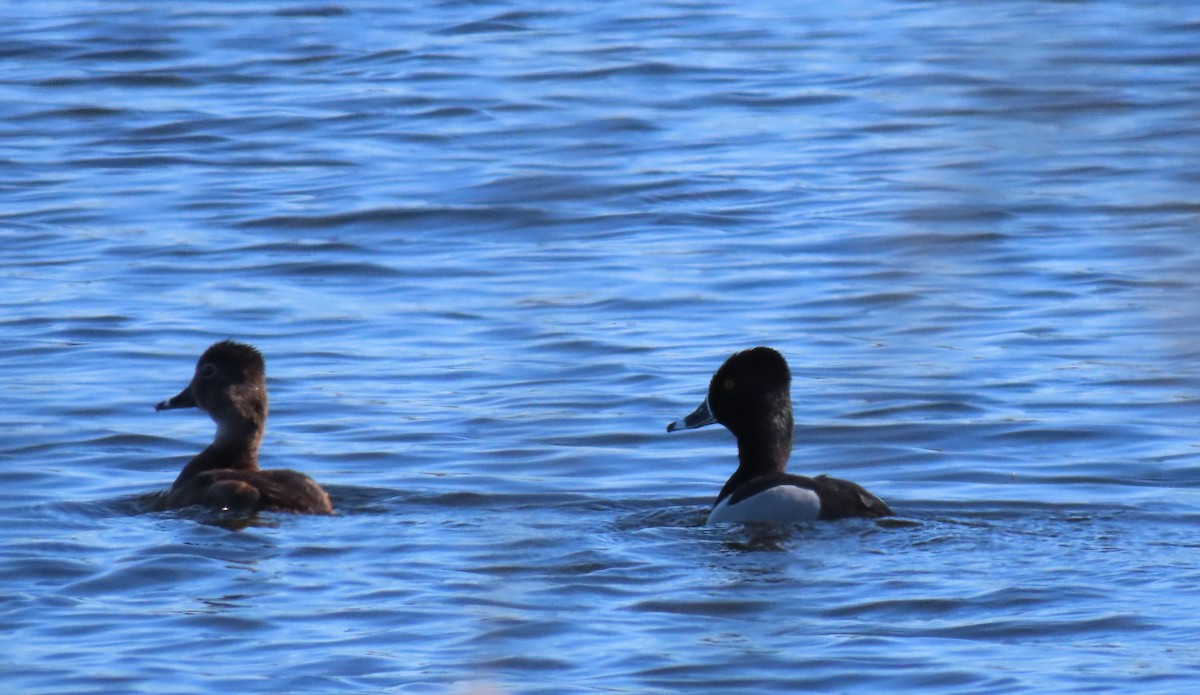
(229, 385)
(751, 395)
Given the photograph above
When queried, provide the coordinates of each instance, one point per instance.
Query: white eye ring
(208, 371)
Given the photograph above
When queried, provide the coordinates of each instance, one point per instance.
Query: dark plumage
(751, 395)
(230, 385)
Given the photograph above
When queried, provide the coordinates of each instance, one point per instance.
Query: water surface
(491, 249)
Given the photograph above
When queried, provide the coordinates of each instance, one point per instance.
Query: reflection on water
(489, 251)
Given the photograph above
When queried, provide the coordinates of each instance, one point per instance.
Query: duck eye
(728, 384)
(208, 371)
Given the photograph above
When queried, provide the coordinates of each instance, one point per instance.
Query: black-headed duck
(751, 395)
(230, 385)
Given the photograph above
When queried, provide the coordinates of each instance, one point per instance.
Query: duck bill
(184, 399)
(699, 417)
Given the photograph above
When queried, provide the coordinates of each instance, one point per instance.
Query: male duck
(229, 385)
(751, 395)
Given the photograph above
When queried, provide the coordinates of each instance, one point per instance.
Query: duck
(751, 396)
(229, 384)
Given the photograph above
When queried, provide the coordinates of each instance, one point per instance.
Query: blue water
(491, 249)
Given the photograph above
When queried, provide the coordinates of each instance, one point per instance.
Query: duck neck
(760, 452)
(235, 446)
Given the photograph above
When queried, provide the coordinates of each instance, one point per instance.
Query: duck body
(247, 492)
(230, 385)
(783, 498)
(751, 395)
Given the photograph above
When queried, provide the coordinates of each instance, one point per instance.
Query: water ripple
(490, 251)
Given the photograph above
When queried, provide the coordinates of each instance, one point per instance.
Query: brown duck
(229, 385)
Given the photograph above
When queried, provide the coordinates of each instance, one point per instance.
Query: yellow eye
(728, 384)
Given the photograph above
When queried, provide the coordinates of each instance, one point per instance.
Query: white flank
(782, 504)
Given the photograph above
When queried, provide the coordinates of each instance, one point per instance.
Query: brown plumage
(230, 385)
